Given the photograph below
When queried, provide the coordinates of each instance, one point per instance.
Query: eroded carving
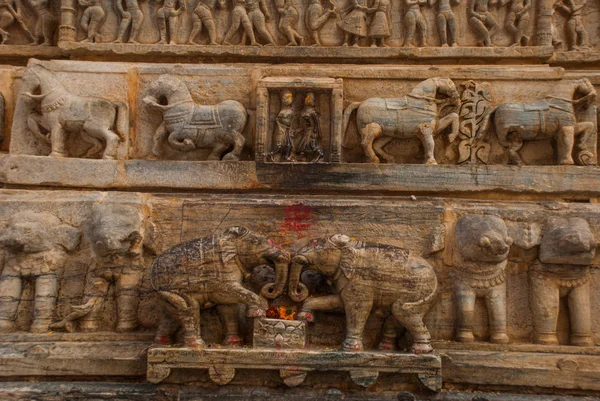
(354, 22)
(92, 19)
(208, 271)
(203, 16)
(131, 16)
(562, 269)
(36, 245)
(96, 120)
(315, 18)
(168, 17)
(379, 121)
(379, 27)
(482, 21)
(517, 20)
(288, 21)
(366, 276)
(446, 23)
(9, 14)
(414, 19)
(45, 24)
(577, 36)
(187, 126)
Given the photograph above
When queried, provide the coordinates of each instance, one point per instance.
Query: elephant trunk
(274, 290)
(297, 291)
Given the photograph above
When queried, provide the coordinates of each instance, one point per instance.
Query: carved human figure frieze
(562, 270)
(92, 19)
(482, 21)
(119, 236)
(168, 20)
(417, 114)
(9, 16)
(315, 19)
(446, 22)
(36, 246)
(209, 271)
(366, 276)
(354, 22)
(203, 16)
(187, 126)
(550, 118)
(414, 21)
(131, 17)
(379, 27)
(288, 22)
(57, 113)
(576, 33)
(253, 16)
(46, 22)
(517, 20)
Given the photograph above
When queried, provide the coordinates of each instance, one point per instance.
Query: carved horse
(552, 117)
(379, 121)
(188, 126)
(61, 112)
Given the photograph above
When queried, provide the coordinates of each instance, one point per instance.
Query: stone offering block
(279, 333)
(293, 365)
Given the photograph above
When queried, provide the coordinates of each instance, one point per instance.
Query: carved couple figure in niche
(297, 133)
(12, 12)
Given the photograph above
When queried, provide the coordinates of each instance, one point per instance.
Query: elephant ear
(67, 236)
(151, 237)
(343, 242)
(227, 246)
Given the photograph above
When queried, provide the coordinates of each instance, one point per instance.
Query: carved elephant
(481, 247)
(367, 276)
(208, 271)
(36, 246)
(566, 252)
(119, 235)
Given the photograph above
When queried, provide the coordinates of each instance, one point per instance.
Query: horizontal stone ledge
(577, 58)
(22, 170)
(304, 53)
(25, 52)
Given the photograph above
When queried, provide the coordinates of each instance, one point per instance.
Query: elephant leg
(495, 301)
(329, 303)
(236, 294)
(57, 140)
(425, 134)
(580, 316)
(358, 303)
(378, 147)
(465, 309)
(413, 322)
(218, 150)
(544, 298)
(46, 292)
(187, 312)
(167, 325)
(127, 297)
(368, 135)
(10, 296)
(390, 333)
(229, 315)
(564, 145)
(238, 146)
(512, 144)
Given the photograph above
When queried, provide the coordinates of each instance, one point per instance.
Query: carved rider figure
(92, 19)
(131, 16)
(168, 13)
(446, 23)
(482, 21)
(315, 19)
(203, 14)
(414, 19)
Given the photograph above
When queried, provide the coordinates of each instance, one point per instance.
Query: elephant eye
(255, 241)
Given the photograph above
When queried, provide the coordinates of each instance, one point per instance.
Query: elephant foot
(567, 161)
(58, 154)
(125, 327)
(233, 340)
(307, 316)
(582, 340)
(256, 312)
(164, 340)
(422, 348)
(7, 326)
(431, 162)
(499, 338)
(465, 336)
(39, 326)
(546, 339)
(387, 344)
(195, 342)
(352, 345)
(231, 157)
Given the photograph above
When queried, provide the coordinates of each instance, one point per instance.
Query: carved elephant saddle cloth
(410, 103)
(190, 264)
(199, 118)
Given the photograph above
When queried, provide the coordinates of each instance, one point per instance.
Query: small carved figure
(379, 29)
(37, 246)
(566, 252)
(379, 121)
(315, 18)
(92, 19)
(118, 234)
(188, 126)
(446, 22)
(259, 15)
(132, 16)
(284, 133)
(481, 247)
(208, 271)
(354, 22)
(203, 14)
(61, 112)
(483, 21)
(309, 143)
(577, 36)
(552, 117)
(239, 16)
(167, 15)
(414, 19)
(46, 22)
(517, 20)
(366, 277)
(288, 21)
(9, 14)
